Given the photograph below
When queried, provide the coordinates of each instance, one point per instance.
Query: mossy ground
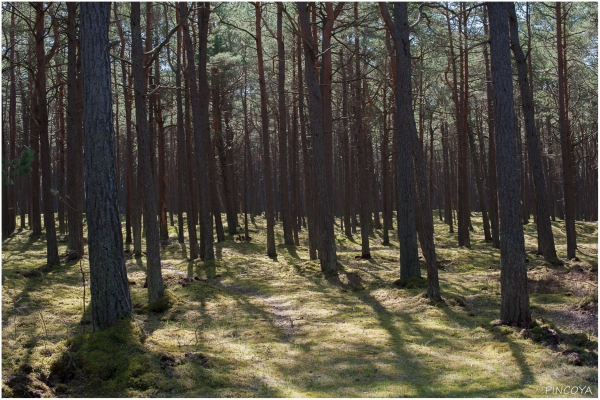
(253, 326)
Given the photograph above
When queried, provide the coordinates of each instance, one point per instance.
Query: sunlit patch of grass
(253, 326)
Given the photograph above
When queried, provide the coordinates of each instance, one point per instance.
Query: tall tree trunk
(182, 178)
(160, 138)
(284, 191)
(407, 234)
(348, 181)
(514, 303)
(464, 211)
(42, 121)
(545, 236)
(308, 169)
(108, 277)
(153, 265)
(129, 177)
(493, 189)
(9, 213)
(566, 144)
(269, 206)
(479, 182)
(192, 182)
(360, 132)
(60, 149)
(200, 118)
(323, 209)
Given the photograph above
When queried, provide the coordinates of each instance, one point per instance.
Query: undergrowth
(247, 325)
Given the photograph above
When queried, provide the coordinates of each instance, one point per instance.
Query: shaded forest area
(299, 199)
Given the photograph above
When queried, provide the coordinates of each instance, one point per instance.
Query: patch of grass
(246, 325)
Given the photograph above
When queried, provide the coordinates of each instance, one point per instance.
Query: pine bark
(108, 277)
(407, 234)
(200, 118)
(284, 190)
(264, 118)
(545, 235)
(153, 264)
(566, 145)
(42, 121)
(514, 304)
(323, 209)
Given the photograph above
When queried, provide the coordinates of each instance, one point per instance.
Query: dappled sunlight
(248, 325)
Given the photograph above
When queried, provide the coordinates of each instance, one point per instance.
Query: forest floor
(251, 326)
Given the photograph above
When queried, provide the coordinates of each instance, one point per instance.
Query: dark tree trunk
(108, 277)
(269, 204)
(25, 197)
(364, 184)
(42, 121)
(348, 181)
(129, 178)
(323, 209)
(200, 118)
(60, 149)
(493, 185)
(153, 265)
(9, 203)
(192, 186)
(182, 178)
(308, 169)
(424, 219)
(160, 138)
(566, 145)
(407, 234)
(514, 307)
(284, 192)
(479, 182)
(447, 180)
(545, 236)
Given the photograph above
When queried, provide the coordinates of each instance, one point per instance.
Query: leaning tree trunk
(545, 236)
(514, 303)
(108, 277)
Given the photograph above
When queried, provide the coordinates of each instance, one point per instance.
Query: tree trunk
(514, 307)
(108, 277)
(160, 138)
(42, 121)
(308, 165)
(200, 118)
(545, 236)
(269, 206)
(493, 189)
(348, 181)
(284, 191)
(566, 145)
(407, 235)
(153, 264)
(364, 184)
(323, 209)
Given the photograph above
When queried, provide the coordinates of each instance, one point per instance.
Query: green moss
(252, 326)
(411, 283)
(588, 301)
(162, 304)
